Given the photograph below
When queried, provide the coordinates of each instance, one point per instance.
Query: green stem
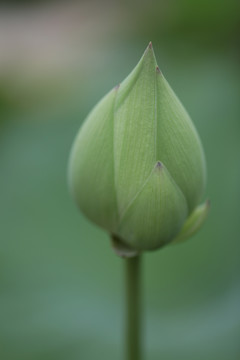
(133, 309)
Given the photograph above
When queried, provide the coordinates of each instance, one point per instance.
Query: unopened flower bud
(137, 166)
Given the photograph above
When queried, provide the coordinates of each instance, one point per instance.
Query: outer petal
(134, 130)
(91, 170)
(178, 144)
(193, 222)
(156, 214)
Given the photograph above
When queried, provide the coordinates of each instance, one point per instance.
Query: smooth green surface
(157, 212)
(61, 286)
(194, 222)
(91, 174)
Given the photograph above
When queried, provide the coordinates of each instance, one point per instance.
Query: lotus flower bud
(137, 166)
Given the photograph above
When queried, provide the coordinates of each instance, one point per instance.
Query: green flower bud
(137, 166)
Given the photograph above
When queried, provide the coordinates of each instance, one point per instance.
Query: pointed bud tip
(158, 165)
(149, 49)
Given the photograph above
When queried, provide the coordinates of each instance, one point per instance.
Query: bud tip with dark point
(158, 165)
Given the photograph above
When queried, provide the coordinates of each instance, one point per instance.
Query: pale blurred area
(48, 44)
(61, 286)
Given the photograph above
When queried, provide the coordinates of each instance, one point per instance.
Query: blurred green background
(61, 286)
